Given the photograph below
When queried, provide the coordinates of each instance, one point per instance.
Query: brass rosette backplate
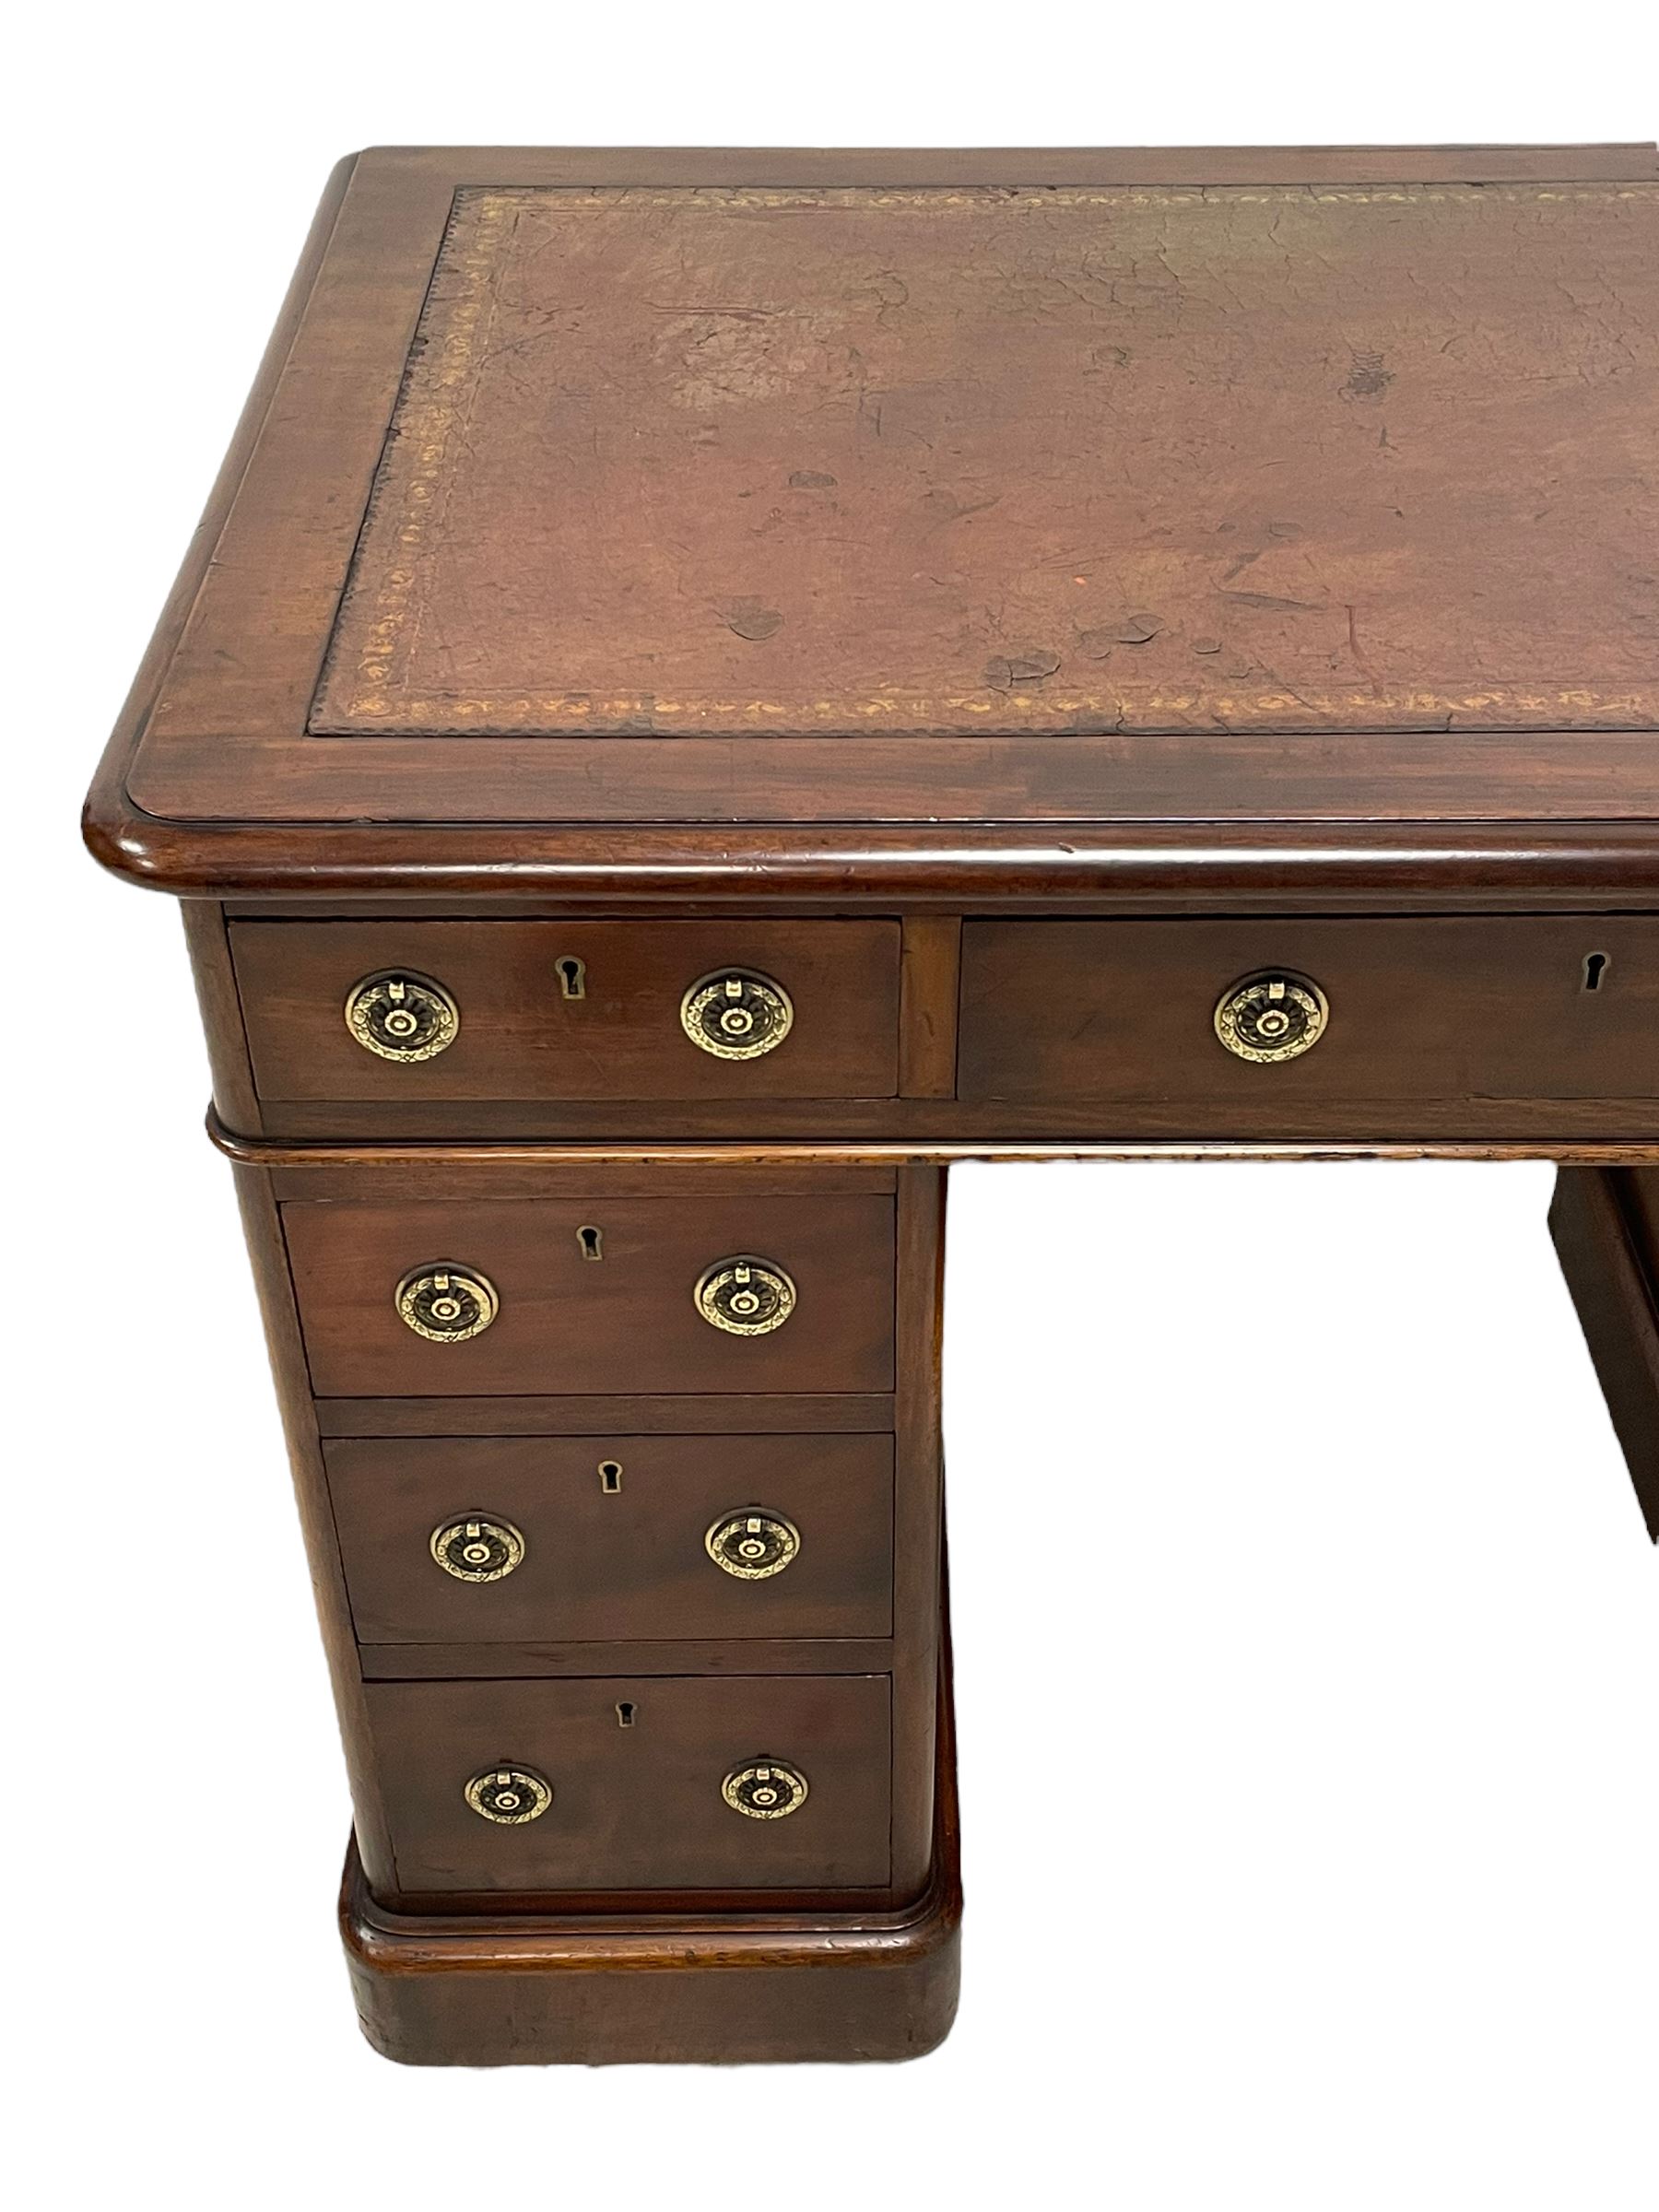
(736, 1014)
(753, 1544)
(445, 1303)
(770, 1788)
(745, 1296)
(1271, 1016)
(475, 1549)
(401, 1016)
(509, 1795)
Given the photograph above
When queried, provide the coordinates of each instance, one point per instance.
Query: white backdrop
(1308, 1645)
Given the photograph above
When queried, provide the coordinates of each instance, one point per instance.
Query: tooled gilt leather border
(362, 694)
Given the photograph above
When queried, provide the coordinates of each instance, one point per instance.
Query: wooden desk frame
(239, 782)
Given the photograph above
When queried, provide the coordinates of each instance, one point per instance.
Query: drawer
(622, 1537)
(624, 1319)
(573, 1010)
(1445, 1011)
(641, 1807)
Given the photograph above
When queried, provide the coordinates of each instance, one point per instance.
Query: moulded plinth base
(612, 1990)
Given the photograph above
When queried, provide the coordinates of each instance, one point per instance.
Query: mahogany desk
(714, 684)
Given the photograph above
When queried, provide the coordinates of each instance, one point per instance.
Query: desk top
(920, 524)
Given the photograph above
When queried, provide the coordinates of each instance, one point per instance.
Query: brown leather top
(1091, 459)
(988, 525)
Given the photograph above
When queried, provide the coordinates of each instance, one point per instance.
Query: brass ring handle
(1271, 1016)
(509, 1795)
(769, 1789)
(446, 1304)
(736, 1014)
(753, 1544)
(400, 1016)
(744, 1296)
(475, 1550)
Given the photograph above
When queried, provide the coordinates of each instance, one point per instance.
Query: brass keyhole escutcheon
(509, 1795)
(744, 1296)
(475, 1549)
(446, 1304)
(401, 1016)
(753, 1544)
(769, 1790)
(736, 1014)
(1271, 1016)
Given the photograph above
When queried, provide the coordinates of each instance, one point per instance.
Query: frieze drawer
(403, 1013)
(1258, 1023)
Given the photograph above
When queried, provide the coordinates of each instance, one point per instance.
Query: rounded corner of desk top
(691, 491)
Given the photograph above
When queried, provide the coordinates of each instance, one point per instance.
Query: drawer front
(571, 1010)
(641, 1807)
(568, 1539)
(1448, 1011)
(624, 1319)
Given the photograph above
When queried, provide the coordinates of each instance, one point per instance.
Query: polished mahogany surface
(712, 684)
(1039, 525)
(614, 1532)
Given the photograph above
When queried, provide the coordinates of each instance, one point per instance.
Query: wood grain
(930, 971)
(235, 1099)
(651, 1655)
(1469, 1014)
(1083, 459)
(782, 1412)
(521, 1037)
(636, 1807)
(263, 1228)
(1606, 1227)
(700, 1986)
(1458, 596)
(568, 1324)
(623, 1565)
(1566, 1130)
(1010, 597)
(920, 1614)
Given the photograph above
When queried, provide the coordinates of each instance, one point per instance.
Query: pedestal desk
(711, 685)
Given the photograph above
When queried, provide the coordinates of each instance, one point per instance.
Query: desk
(713, 685)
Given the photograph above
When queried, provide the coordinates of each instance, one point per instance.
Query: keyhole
(610, 1476)
(1596, 966)
(573, 977)
(625, 1715)
(591, 1241)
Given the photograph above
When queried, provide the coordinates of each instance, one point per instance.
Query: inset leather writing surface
(1066, 460)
